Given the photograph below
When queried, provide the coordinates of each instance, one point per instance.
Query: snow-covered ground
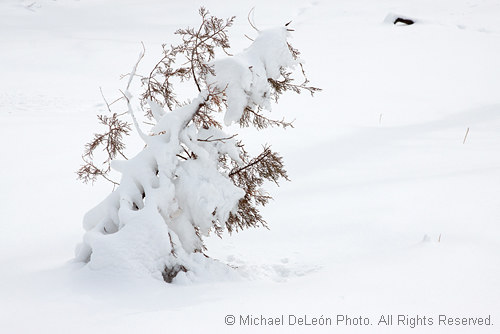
(389, 211)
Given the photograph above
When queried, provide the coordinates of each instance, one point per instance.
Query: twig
(250, 21)
(466, 133)
(251, 163)
(249, 37)
(108, 105)
(105, 101)
(208, 140)
(107, 178)
(195, 51)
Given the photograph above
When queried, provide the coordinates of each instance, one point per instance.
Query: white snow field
(392, 209)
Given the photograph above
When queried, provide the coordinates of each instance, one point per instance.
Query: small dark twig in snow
(466, 133)
(408, 22)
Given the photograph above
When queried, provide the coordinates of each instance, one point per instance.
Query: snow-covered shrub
(192, 177)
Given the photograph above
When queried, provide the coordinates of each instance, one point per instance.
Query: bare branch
(132, 74)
